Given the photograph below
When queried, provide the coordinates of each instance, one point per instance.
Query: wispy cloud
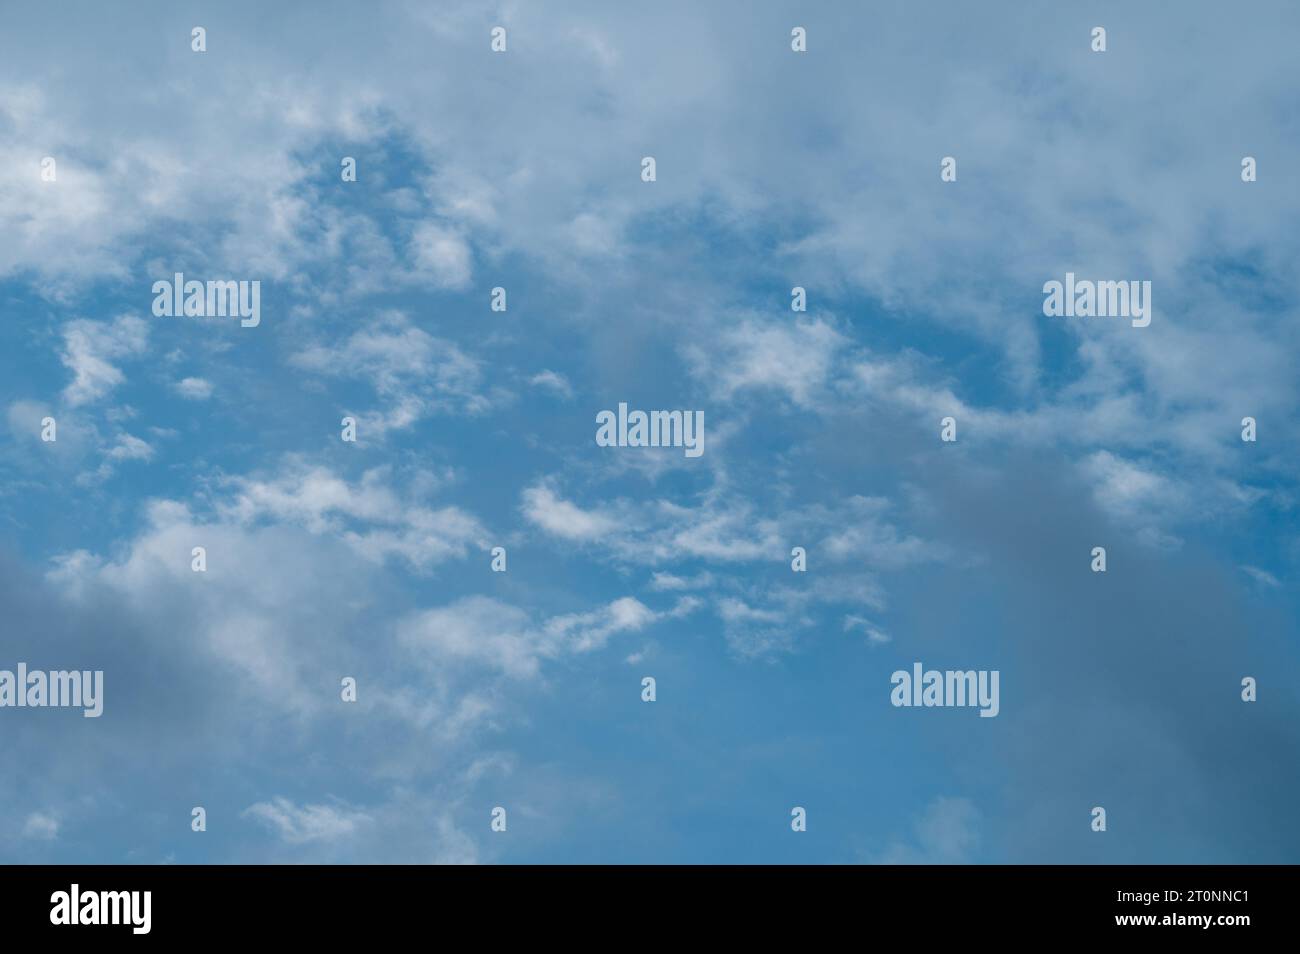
(491, 633)
(89, 349)
(297, 824)
(40, 826)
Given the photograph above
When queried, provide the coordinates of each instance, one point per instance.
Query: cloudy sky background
(522, 689)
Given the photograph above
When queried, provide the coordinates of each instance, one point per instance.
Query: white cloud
(946, 833)
(552, 381)
(563, 518)
(1262, 576)
(736, 611)
(488, 632)
(297, 824)
(874, 635)
(670, 581)
(258, 610)
(370, 515)
(596, 235)
(1125, 488)
(24, 418)
(723, 528)
(442, 253)
(41, 826)
(414, 372)
(194, 389)
(795, 359)
(582, 632)
(862, 532)
(655, 531)
(89, 347)
(129, 447)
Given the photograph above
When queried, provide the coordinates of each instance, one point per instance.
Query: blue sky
(476, 429)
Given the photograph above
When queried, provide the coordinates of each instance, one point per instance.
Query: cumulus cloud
(194, 389)
(794, 360)
(1128, 489)
(562, 518)
(371, 515)
(443, 255)
(129, 447)
(415, 373)
(89, 349)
